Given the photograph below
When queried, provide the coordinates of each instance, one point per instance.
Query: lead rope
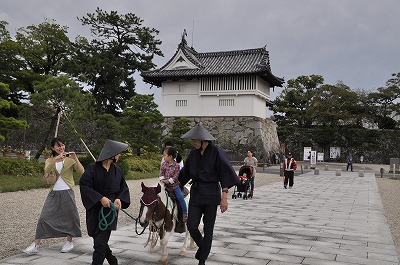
(104, 225)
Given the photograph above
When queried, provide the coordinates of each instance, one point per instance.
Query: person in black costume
(212, 175)
(103, 182)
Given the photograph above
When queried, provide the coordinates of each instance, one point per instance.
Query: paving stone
(324, 220)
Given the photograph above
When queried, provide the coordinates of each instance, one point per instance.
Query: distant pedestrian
(273, 158)
(361, 159)
(289, 166)
(252, 162)
(349, 160)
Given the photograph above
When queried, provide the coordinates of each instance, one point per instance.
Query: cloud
(354, 41)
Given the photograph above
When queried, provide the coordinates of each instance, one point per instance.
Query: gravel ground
(20, 211)
(389, 189)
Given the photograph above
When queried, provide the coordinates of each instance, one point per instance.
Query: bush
(21, 167)
(85, 160)
(148, 163)
(122, 163)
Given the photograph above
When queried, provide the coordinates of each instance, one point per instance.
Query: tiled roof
(240, 62)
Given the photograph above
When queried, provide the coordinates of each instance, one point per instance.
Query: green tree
(292, 107)
(55, 96)
(37, 52)
(385, 103)
(179, 127)
(11, 65)
(107, 127)
(336, 105)
(8, 123)
(121, 46)
(4, 33)
(44, 49)
(142, 123)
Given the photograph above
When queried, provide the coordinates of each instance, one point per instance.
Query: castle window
(226, 102)
(181, 103)
(228, 83)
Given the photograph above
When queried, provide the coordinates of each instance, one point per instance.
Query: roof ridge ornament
(184, 34)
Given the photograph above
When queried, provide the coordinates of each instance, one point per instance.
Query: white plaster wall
(207, 104)
(170, 93)
(263, 86)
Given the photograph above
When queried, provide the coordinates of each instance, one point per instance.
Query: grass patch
(10, 183)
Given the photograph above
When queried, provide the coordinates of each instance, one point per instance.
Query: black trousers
(289, 177)
(101, 249)
(349, 165)
(209, 213)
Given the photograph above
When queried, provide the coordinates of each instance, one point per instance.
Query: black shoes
(202, 262)
(285, 187)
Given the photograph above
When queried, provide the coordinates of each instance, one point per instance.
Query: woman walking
(59, 216)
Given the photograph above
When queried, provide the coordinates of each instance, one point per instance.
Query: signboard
(320, 157)
(334, 153)
(313, 159)
(307, 154)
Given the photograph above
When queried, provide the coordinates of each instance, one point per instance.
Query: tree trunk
(51, 129)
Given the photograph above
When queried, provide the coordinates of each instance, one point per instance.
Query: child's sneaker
(32, 249)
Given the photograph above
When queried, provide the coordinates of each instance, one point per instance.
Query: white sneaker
(32, 249)
(68, 246)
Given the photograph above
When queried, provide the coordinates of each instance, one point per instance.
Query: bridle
(156, 201)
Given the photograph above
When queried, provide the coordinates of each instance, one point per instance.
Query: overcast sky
(355, 41)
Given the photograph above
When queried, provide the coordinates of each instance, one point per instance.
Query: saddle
(180, 225)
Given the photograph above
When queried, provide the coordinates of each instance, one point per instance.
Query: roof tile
(239, 62)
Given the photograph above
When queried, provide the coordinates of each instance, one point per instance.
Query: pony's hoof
(182, 253)
(163, 262)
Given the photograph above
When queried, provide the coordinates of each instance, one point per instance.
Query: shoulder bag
(51, 177)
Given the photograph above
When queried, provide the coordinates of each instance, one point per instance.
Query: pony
(156, 212)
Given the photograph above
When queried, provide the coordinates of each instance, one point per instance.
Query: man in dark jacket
(212, 175)
(101, 184)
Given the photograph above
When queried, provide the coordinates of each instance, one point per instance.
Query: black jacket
(96, 183)
(208, 172)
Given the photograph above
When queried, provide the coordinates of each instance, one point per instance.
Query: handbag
(51, 177)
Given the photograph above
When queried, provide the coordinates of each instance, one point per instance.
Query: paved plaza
(324, 220)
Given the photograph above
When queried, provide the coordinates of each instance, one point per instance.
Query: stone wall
(236, 135)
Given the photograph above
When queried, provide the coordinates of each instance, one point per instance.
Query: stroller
(245, 175)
